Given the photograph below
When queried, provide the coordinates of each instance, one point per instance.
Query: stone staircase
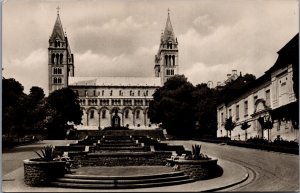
(130, 153)
(121, 182)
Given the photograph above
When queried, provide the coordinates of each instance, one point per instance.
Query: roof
(240, 87)
(57, 30)
(168, 33)
(115, 81)
(288, 54)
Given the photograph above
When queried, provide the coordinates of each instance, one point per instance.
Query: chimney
(234, 72)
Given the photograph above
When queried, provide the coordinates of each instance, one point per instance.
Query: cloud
(29, 71)
(113, 36)
(139, 63)
(204, 23)
(246, 45)
(120, 38)
(127, 24)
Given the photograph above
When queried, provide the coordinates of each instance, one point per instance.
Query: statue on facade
(115, 120)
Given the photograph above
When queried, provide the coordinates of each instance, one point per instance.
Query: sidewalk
(232, 174)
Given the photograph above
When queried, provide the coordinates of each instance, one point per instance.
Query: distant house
(272, 96)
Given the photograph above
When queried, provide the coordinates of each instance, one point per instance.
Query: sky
(121, 37)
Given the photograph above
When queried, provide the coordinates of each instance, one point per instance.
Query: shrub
(196, 153)
(285, 143)
(224, 138)
(47, 153)
(257, 140)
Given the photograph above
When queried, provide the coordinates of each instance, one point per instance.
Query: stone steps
(119, 182)
(117, 148)
(118, 144)
(117, 141)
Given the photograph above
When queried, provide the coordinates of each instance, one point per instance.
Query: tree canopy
(62, 107)
(229, 125)
(22, 112)
(184, 110)
(172, 105)
(205, 108)
(13, 107)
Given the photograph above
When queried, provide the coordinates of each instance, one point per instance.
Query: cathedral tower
(166, 60)
(60, 58)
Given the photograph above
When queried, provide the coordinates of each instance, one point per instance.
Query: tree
(205, 109)
(36, 108)
(62, 107)
(173, 106)
(249, 77)
(13, 109)
(266, 123)
(229, 125)
(244, 127)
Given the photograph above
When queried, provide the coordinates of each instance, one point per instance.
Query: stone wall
(199, 169)
(40, 173)
(121, 159)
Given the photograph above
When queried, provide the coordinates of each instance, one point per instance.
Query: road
(269, 171)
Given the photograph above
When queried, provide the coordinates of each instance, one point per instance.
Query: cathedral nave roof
(115, 81)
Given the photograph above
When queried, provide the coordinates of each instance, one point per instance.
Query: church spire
(166, 60)
(168, 33)
(57, 31)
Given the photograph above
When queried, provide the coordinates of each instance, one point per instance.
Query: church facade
(101, 97)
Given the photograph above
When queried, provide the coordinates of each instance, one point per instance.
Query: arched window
(53, 58)
(54, 80)
(102, 92)
(61, 58)
(111, 92)
(138, 114)
(57, 59)
(103, 114)
(59, 80)
(94, 92)
(170, 60)
(126, 114)
(139, 92)
(166, 59)
(92, 114)
(173, 57)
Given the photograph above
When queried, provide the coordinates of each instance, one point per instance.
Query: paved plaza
(255, 170)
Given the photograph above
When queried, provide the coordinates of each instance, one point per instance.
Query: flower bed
(40, 173)
(268, 147)
(197, 169)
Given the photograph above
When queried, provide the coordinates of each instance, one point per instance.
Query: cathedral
(101, 97)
